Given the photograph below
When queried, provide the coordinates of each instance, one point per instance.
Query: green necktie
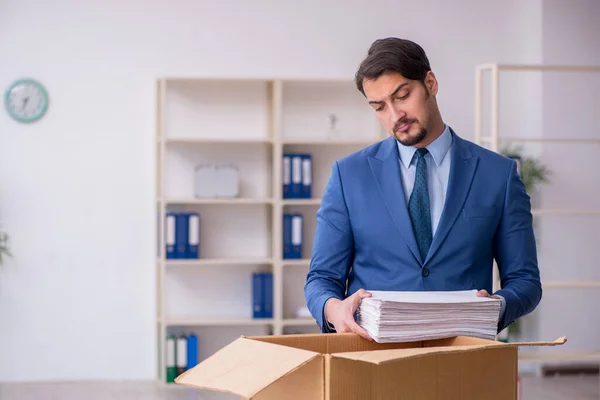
(418, 206)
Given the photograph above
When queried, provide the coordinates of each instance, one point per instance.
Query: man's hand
(484, 293)
(341, 313)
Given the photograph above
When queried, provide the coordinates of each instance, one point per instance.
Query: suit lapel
(386, 170)
(462, 170)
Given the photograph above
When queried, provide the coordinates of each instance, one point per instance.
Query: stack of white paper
(414, 316)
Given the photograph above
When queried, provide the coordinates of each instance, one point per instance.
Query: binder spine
(171, 372)
(296, 176)
(170, 222)
(193, 249)
(286, 176)
(268, 294)
(181, 235)
(192, 351)
(296, 238)
(257, 295)
(307, 176)
(287, 236)
(181, 359)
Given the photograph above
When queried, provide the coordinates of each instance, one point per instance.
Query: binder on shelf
(286, 176)
(292, 236)
(193, 239)
(306, 192)
(181, 359)
(257, 295)
(171, 372)
(287, 236)
(267, 281)
(297, 176)
(192, 351)
(181, 235)
(182, 239)
(296, 189)
(170, 222)
(262, 295)
(296, 237)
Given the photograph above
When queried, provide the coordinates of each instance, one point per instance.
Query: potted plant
(532, 173)
(4, 250)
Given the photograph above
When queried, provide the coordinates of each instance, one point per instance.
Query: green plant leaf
(533, 172)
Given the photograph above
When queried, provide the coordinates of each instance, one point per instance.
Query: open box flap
(557, 342)
(245, 367)
(385, 356)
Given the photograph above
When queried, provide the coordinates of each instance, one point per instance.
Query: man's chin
(410, 139)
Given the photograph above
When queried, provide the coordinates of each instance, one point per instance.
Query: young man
(421, 210)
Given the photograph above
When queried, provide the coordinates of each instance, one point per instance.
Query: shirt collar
(438, 148)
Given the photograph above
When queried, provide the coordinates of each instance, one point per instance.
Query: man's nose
(396, 114)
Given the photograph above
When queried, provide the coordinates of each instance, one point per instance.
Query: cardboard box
(348, 367)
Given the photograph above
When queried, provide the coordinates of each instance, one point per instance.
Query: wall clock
(26, 100)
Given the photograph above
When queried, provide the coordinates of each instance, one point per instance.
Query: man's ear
(431, 83)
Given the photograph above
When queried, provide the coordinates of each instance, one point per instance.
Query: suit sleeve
(333, 251)
(516, 254)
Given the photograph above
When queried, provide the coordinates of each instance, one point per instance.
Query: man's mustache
(402, 122)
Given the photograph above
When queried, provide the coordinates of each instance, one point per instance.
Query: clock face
(26, 100)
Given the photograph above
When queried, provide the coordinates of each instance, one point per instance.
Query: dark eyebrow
(393, 93)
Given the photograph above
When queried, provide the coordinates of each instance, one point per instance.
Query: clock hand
(25, 100)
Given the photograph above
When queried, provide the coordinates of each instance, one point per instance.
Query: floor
(582, 387)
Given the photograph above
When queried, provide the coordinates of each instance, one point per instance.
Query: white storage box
(212, 180)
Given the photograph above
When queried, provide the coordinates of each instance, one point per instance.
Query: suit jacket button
(424, 272)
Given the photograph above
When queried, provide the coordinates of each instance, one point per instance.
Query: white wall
(77, 189)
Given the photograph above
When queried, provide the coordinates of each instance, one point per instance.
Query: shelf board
(219, 201)
(217, 321)
(488, 139)
(572, 284)
(233, 141)
(302, 202)
(304, 262)
(556, 211)
(299, 322)
(331, 142)
(562, 357)
(540, 67)
(217, 261)
(215, 78)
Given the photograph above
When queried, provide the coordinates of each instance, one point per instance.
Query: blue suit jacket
(364, 237)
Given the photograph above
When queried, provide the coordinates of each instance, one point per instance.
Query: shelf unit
(251, 123)
(576, 288)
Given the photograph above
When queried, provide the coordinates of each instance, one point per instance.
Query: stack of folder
(182, 354)
(416, 316)
(182, 232)
(297, 176)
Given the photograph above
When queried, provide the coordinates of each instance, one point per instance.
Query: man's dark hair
(393, 55)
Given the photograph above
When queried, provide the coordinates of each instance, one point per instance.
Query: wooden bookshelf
(249, 123)
(565, 224)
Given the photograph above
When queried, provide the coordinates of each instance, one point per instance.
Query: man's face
(403, 106)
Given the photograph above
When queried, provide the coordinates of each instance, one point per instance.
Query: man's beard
(412, 140)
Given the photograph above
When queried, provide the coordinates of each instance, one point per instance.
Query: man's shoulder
(487, 156)
(359, 157)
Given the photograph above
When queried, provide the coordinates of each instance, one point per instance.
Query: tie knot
(422, 152)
